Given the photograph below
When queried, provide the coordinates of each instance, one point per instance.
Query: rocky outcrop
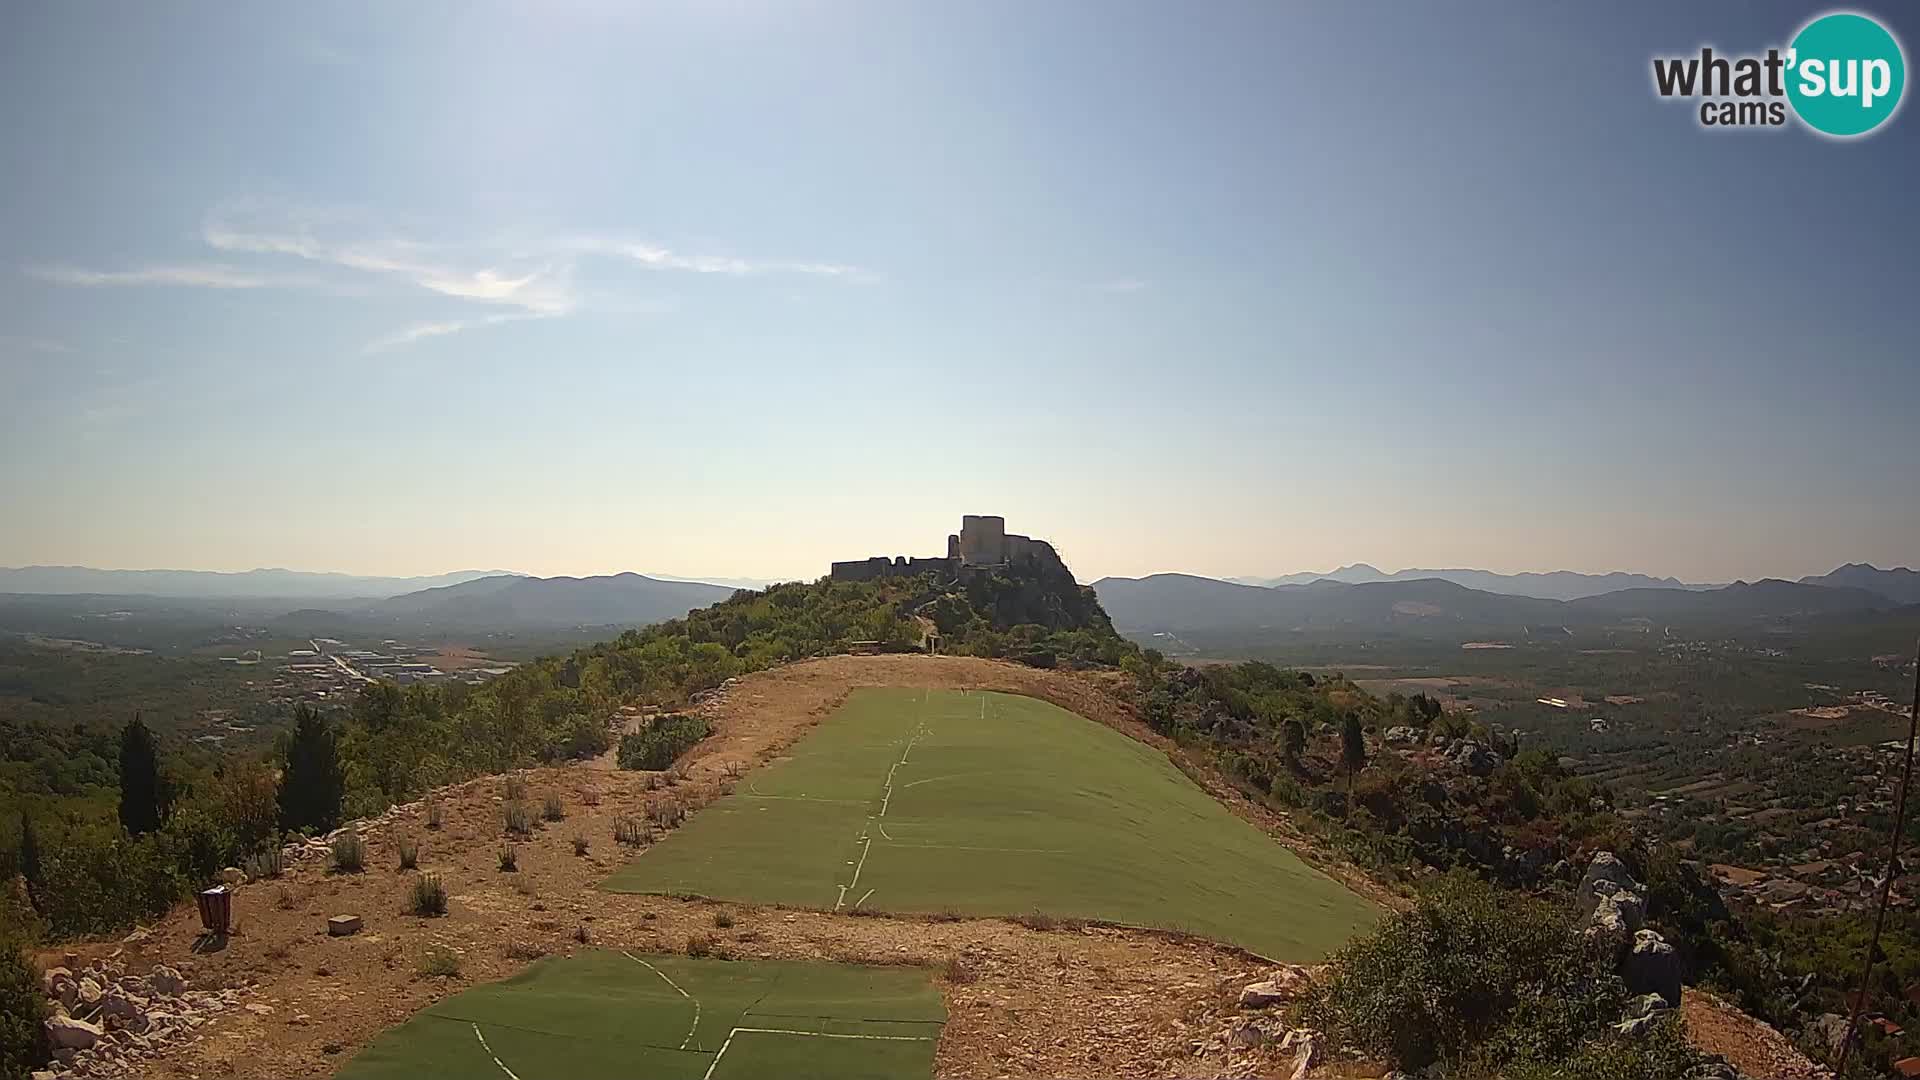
(1652, 967)
(106, 1022)
(1471, 756)
(1614, 906)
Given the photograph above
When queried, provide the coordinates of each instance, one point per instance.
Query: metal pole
(1893, 862)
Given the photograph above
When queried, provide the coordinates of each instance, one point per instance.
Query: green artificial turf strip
(605, 1015)
(758, 1055)
(1002, 805)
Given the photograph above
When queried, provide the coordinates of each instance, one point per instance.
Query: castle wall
(983, 541)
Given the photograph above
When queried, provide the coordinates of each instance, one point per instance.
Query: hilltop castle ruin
(983, 544)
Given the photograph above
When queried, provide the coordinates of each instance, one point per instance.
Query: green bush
(428, 896)
(439, 962)
(270, 862)
(519, 819)
(663, 742)
(23, 1012)
(96, 883)
(1470, 973)
(349, 852)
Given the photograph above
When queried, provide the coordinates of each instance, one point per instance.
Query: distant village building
(983, 544)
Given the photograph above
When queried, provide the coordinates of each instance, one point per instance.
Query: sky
(736, 289)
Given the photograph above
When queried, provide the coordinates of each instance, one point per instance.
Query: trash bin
(216, 910)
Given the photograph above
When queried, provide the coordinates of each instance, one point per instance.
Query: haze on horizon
(737, 290)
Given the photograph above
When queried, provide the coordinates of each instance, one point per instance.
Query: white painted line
(676, 986)
(491, 1054)
(840, 1035)
(799, 798)
(969, 847)
(855, 883)
(804, 1034)
(862, 900)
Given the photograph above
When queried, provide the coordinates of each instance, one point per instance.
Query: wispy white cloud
(656, 257)
(536, 284)
(421, 331)
(529, 274)
(189, 275)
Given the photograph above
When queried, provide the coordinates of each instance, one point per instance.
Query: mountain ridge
(1544, 585)
(1181, 602)
(258, 583)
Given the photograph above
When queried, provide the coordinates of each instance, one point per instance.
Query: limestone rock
(117, 1005)
(1608, 869)
(1306, 1054)
(1286, 985)
(1621, 912)
(66, 1033)
(1652, 967)
(166, 981)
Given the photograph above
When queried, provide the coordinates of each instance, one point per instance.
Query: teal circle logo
(1845, 74)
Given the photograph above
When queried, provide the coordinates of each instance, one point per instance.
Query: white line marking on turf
(676, 986)
(807, 1034)
(886, 800)
(491, 1054)
(971, 847)
(862, 900)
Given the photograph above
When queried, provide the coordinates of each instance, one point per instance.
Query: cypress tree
(142, 801)
(312, 783)
(1353, 749)
(30, 860)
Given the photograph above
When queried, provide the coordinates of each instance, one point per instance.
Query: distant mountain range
(1899, 583)
(1181, 603)
(1554, 585)
(615, 600)
(245, 584)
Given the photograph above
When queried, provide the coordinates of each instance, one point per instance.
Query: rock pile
(106, 1022)
(1304, 1046)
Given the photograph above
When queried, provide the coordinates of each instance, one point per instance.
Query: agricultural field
(606, 1015)
(931, 801)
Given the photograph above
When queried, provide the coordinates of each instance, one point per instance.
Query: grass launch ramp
(606, 1015)
(930, 801)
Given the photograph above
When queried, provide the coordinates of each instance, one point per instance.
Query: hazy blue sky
(738, 288)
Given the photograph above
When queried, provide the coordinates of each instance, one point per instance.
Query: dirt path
(1749, 1045)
